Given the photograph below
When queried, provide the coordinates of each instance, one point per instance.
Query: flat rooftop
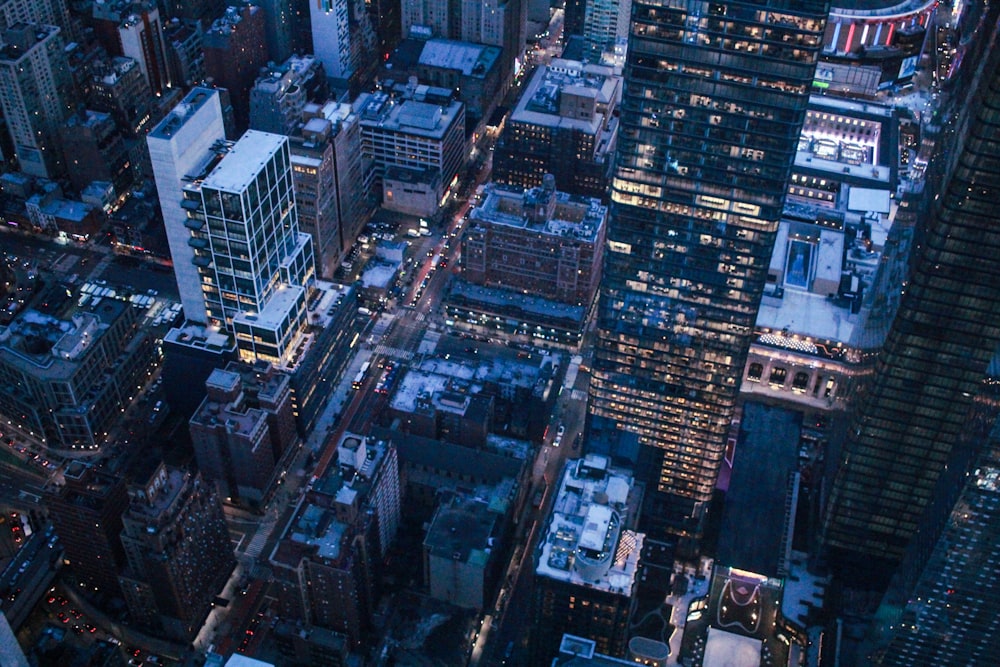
(244, 161)
(586, 541)
(183, 112)
(539, 105)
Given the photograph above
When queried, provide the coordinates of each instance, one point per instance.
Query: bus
(360, 377)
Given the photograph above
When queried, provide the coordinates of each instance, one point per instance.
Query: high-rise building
(241, 262)
(178, 147)
(120, 89)
(564, 124)
(185, 55)
(242, 428)
(329, 174)
(907, 422)
(588, 560)
(344, 39)
(178, 551)
(48, 12)
(940, 608)
(281, 93)
(326, 561)
(36, 95)
(500, 23)
(71, 372)
(133, 28)
(715, 95)
(605, 24)
(87, 514)
(235, 49)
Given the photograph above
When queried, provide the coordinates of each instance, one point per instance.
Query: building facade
(411, 134)
(242, 428)
(538, 241)
(36, 95)
(177, 550)
(235, 47)
(940, 341)
(587, 562)
(71, 374)
(714, 99)
(565, 125)
(87, 514)
(326, 561)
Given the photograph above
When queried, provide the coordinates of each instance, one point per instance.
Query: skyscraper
(240, 261)
(36, 95)
(905, 426)
(941, 606)
(715, 95)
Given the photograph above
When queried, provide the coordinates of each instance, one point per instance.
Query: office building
(325, 564)
(564, 124)
(203, 11)
(177, 550)
(235, 47)
(539, 241)
(411, 134)
(462, 551)
(242, 428)
(708, 131)
(941, 605)
(470, 72)
(331, 179)
(94, 150)
(36, 95)
(907, 422)
(185, 55)
(843, 240)
(87, 514)
(119, 88)
(72, 371)
(48, 12)
(587, 560)
(605, 25)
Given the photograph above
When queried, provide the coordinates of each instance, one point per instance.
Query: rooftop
(469, 59)
(572, 217)
(408, 116)
(183, 112)
(462, 530)
(540, 103)
(246, 159)
(586, 540)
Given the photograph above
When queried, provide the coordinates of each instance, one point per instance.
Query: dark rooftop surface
(753, 519)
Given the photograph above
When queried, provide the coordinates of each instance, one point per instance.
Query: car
(63, 618)
(76, 614)
(90, 628)
(561, 431)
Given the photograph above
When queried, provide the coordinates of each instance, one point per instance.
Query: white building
(178, 146)
(241, 262)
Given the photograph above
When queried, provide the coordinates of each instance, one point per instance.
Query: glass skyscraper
(905, 427)
(715, 95)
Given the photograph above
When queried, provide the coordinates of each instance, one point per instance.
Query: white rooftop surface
(276, 309)
(582, 518)
(725, 649)
(421, 382)
(868, 200)
(574, 78)
(595, 527)
(451, 55)
(802, 591)
(379, 274)
(242, 164)
(810, 314)
(237, 660)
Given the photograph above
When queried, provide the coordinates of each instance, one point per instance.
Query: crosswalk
(256, 545)
(393, 352)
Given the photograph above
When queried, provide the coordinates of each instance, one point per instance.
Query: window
(755, 372)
